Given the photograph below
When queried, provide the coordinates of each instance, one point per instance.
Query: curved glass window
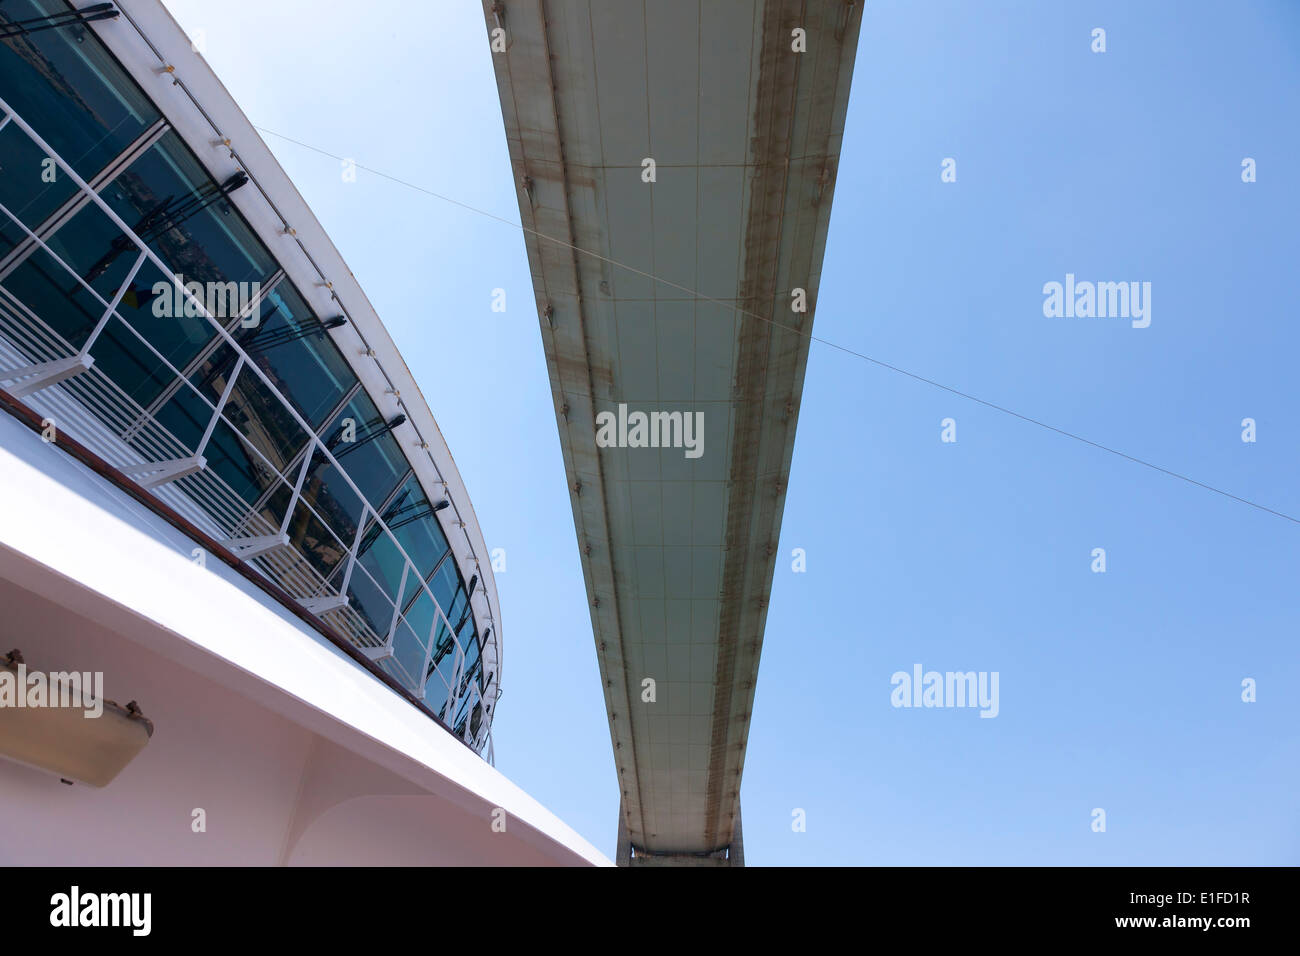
(361, 442)
(410, 517)
(168, 386)
(171, 202)
(290, 344)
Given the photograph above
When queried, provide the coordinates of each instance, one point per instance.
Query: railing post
(422, 687)
(221, 404)
(112, 306)
(397, 605)
(356, 543)
(458, 663)
(307, 455)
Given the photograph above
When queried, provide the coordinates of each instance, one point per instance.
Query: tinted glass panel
(52, 293)
(186, 417)
(24, 187)
(444, 656)
(336, 506)
(297, 354)
(463, 710)
(408, 652)
(375, 593)
(251, 408)
(309, 535)
(359, 439)
(419, 612)
(172, 203)
(473, 661)
(72, 93)
(435, 695)
(444, 583)
(456, 614)
(410, 518)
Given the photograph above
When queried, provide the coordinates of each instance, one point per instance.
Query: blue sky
(1119, 690)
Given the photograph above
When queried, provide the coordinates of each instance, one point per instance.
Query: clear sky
(1119, 690)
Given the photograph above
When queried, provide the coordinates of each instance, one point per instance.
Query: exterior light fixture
(58, 722)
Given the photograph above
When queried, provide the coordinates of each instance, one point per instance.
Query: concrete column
(623, 852)
(736, 854)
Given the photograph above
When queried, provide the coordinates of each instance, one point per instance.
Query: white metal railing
(494, 685)
(34, 359)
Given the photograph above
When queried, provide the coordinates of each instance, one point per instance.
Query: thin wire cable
(811, 338)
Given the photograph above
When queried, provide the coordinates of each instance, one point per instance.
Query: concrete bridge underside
(671, 287)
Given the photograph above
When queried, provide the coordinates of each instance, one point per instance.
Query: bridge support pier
(623, 852)
(733, 855)
(736, 852)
